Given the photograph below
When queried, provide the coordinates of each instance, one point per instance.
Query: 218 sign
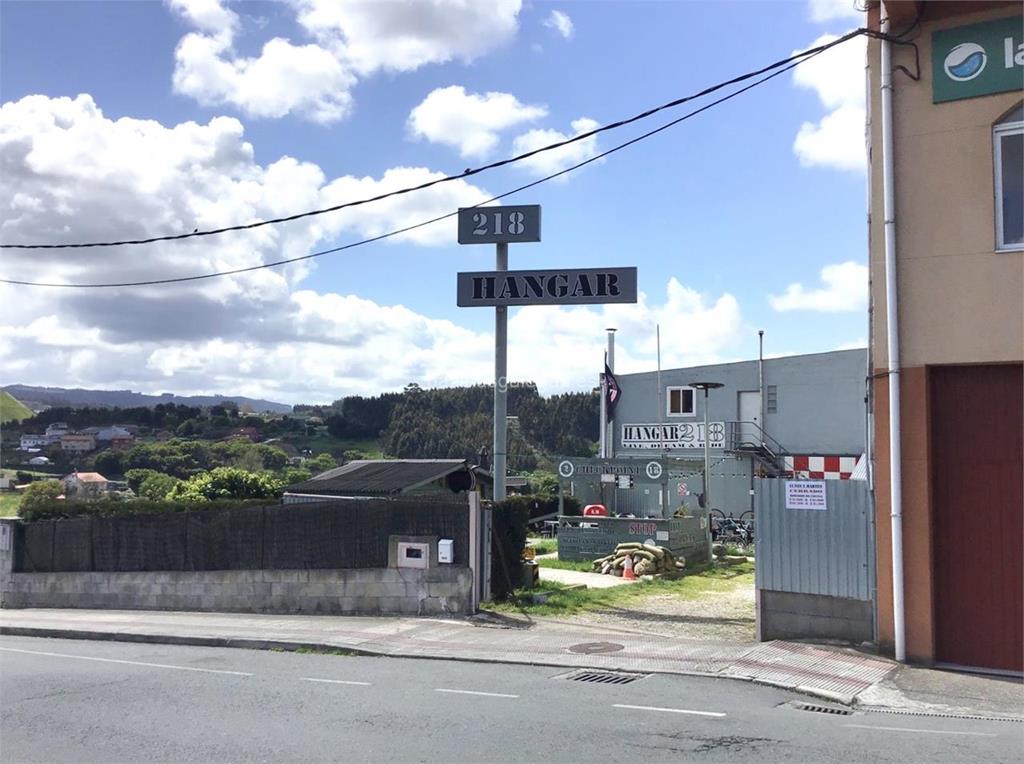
(488, 225)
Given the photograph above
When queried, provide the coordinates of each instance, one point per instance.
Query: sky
(135, 119)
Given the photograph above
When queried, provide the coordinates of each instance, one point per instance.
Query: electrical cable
(406, 229)
(795, 58)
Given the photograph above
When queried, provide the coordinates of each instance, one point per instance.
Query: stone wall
(368, 591)
(789, 615)
(437, 590)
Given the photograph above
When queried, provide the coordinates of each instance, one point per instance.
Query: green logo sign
(978, 60)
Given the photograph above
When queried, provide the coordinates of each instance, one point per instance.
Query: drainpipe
(893, 343)
(760, 380)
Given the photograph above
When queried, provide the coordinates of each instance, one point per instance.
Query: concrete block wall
(789, 615)
(369, 591)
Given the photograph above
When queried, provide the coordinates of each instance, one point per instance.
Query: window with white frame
(680, 401)
(1008, 150)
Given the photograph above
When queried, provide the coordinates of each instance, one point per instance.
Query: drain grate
(603, 677)
(819, 709)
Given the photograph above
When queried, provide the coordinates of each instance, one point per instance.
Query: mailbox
(446, 550)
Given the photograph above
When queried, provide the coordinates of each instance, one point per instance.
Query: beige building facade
(960, 306)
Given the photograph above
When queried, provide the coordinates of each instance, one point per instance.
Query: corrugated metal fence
(828, 552)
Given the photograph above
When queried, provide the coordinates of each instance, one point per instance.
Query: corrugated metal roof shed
(379, 477)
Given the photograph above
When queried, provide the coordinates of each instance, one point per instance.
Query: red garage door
(977, 418)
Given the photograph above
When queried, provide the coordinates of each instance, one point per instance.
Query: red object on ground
(627, 569)
(595, 510)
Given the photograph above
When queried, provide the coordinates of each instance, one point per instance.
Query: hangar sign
(567, 286)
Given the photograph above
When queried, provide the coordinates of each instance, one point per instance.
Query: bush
(56, 510)
(157, 486)
(508, 539)
(23, 477)
(38, 494)
(226, 483)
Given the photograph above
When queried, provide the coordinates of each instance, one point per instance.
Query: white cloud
(561, 23)
(350, 39)
(830, 10)
(469, 122)
(555, 160)
(207, 15)
(73, 174)
(845, 289)
(403, 35)
(837, 76)
(283, 79)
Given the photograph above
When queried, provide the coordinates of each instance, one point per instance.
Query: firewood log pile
(648, 560)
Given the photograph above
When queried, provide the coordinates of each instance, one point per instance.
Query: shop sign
(643, 469)
(806, 494)
(505, 224)
(978, 59)
(674, 436)
(567, 286)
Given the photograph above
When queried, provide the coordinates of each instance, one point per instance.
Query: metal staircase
(750, 439)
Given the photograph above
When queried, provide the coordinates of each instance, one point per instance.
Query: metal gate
(814, 570)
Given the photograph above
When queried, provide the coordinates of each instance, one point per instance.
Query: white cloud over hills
(73, 174)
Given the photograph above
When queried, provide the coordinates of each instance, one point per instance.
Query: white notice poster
(806, 494)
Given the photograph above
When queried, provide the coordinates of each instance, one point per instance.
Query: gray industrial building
(812, 425)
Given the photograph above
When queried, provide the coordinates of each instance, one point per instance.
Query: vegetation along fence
(331, 535)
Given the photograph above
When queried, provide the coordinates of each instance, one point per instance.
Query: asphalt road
(64, 700)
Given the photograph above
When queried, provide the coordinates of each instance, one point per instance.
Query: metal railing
(750, 438)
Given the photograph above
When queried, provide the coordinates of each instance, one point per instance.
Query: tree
(138, 476)
(157, 486)
(226, 483)
(39, 493)
(293, 475)
(109, 463)
(321, 463)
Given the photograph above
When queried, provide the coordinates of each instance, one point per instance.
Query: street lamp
(705, 386)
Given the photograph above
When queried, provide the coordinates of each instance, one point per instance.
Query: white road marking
(669, 710)
(473, 692)
(926, 732)
(333, 681)
(128, 663)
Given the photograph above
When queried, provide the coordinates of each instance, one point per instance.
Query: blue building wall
(820, 411)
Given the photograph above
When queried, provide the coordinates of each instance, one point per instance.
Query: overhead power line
(422, 224)
(785, 62)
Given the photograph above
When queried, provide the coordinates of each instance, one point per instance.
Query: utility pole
(500, 381)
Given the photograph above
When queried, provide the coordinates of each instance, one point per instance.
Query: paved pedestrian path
(827, 672)
(590, 580)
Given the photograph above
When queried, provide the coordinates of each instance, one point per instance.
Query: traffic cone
(627, 569)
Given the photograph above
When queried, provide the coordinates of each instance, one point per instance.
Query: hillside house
(85, 485)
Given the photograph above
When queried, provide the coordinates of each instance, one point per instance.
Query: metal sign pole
(500, 381)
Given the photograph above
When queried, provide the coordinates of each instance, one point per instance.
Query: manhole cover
(595, 648)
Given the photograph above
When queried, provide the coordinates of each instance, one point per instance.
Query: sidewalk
(590, 580)
(830, 673)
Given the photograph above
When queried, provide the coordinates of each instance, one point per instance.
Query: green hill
(11, 409)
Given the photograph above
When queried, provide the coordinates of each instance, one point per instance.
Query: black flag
(612, 391)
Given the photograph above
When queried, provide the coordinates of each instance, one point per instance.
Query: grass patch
(9, 501)
(703, 583)
(327, 651)
(583, 565)
(11, 409)
(547, 546)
